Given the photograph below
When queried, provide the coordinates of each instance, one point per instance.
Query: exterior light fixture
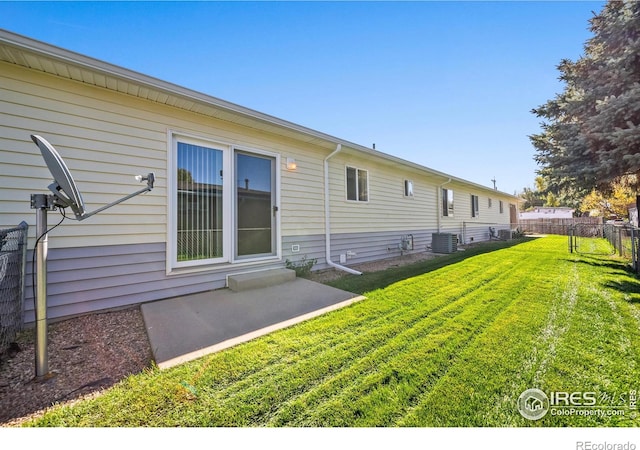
(291, 164)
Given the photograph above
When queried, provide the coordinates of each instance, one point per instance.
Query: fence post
(570, 233)
(23, 274)
(620, 251)
(633, 249)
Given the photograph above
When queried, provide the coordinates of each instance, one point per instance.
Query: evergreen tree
(591, 131)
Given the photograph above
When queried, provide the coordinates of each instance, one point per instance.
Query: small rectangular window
(408, 188)
(447, 202)
(357, 184)
(475, 206)
(490, 203)
(501, 207)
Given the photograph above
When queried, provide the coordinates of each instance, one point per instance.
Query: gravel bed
(325, 276)
(87, 354)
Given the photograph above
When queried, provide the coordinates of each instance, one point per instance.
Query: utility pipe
(327, 217)
(440, 202)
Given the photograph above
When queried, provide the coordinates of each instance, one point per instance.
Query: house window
(408, 188)
(490, 203)
(501, 207)
(475, 206)
(357, 184)
(447, 202)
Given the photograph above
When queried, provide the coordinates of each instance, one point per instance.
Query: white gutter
(440, 199)
(327, 217)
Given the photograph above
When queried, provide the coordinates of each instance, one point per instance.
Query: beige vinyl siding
(302, 192)
(387, 208)
(106, 138)
(462, 224)
(101, 159)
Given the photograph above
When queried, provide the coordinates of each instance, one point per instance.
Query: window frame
(172, 242)
(275, 199)
(475, 206)
(408, 188)
(448, 202)
(357, 184)
(501, 207)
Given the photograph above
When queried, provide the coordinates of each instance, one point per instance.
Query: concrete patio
(185, 328)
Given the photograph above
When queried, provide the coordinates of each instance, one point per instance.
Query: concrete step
(261, 279)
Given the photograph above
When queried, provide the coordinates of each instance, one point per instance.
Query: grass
(446, 342)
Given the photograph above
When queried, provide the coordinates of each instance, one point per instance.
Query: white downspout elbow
(327, 217)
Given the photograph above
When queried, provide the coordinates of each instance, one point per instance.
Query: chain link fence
(624, 240)
(13, 256)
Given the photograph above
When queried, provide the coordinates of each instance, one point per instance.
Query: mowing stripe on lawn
(395, 336)
(475, 381)
(447, 331)
(451, 347)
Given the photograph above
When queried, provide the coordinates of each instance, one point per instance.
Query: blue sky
(449, 85)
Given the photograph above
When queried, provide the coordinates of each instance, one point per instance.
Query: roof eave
(61, 55)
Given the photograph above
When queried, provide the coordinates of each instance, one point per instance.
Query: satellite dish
(63, 187)
(65, 195)
(65, 191)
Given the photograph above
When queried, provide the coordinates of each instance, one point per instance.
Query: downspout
(439, 197)
(327, 217)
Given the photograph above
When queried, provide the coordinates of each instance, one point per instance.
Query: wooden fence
(560, 226)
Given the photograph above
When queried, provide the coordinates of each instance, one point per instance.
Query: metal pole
(41, 203)
(633, 248)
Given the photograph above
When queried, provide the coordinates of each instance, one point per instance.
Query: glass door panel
(199, 203)
(255, 205)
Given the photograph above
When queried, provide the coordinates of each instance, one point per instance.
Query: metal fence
(624, 240)
(13, 255)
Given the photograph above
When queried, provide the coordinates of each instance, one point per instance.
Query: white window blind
(199, 203)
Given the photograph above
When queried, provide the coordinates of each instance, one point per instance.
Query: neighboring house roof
(37, 55)
(548, 213)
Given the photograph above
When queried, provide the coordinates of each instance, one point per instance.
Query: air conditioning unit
(444, 243)
(505, 235)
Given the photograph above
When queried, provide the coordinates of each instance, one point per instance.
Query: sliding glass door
(223, 205)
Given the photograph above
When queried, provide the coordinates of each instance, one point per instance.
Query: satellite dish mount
(65, 194)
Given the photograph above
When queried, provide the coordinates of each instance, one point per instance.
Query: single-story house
(547, 212)
(236, 190)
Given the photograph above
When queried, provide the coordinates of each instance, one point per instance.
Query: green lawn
(448, 342)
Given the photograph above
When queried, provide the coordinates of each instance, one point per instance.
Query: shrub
(302, 267)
